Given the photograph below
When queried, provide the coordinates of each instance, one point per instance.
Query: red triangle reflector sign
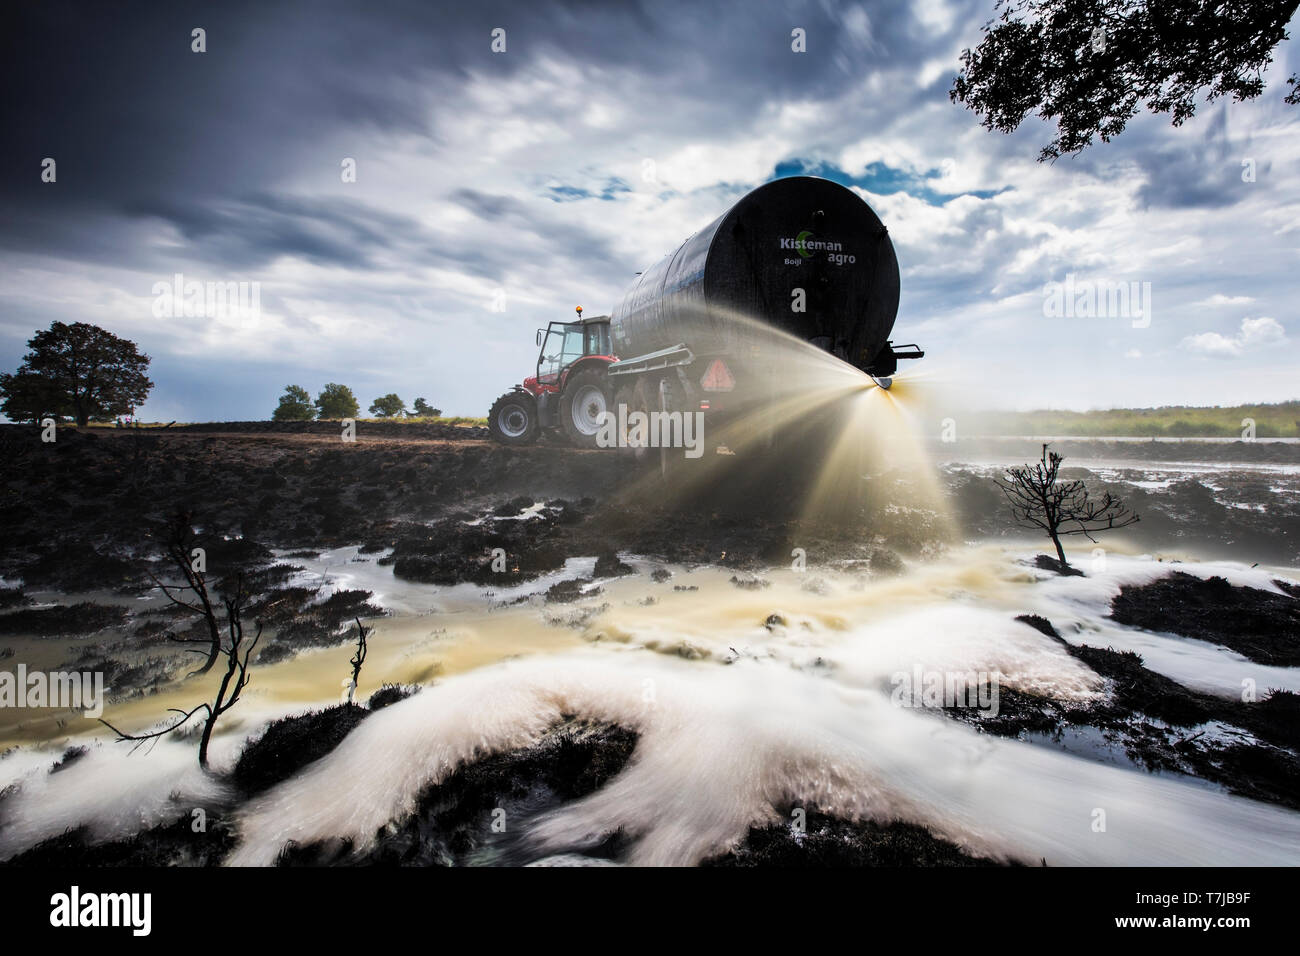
(718, 377)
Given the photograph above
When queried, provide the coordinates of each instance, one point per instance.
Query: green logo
(801, 244)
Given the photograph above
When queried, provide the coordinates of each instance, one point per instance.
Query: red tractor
(569, 393)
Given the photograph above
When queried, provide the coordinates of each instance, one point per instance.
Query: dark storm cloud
(535, 221)
(487, 206)
(119, 82)
(137, 121)
(1182, 178)
(258, 229)
(1206, 174)
(483, 171)
(1180, 168)
(139, 124)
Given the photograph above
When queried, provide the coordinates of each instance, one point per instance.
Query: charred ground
(435, 501)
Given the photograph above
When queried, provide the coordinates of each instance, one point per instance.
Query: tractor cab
(570, 392)
(563, 343)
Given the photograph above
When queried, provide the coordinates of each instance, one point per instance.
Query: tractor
(569, 394)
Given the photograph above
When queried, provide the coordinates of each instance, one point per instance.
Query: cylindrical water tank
(802, 254)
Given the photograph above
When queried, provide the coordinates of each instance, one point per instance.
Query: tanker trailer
(710, 327)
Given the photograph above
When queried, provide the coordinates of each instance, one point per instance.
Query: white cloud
(935, 16)
(1220, 299)
(1254, 334)
(714, 122)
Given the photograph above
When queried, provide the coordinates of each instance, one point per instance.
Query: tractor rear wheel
(583, 407)
(513, 419)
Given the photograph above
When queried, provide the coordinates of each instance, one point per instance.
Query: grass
(1280, 420)
(465, 420)
(111, 426)
(432, 420)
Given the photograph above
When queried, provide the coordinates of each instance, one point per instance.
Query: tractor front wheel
(513, 419)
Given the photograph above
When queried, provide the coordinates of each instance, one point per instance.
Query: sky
(495, 190)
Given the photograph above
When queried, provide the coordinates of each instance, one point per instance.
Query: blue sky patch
(880, 179)
(613, 186)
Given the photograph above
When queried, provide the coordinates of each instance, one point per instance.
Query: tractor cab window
(598, 339)
(562, 347)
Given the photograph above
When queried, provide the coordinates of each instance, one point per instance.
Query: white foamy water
(345, 569)
(735, 720)
(116, 788)
(1080, 608)
(114, 796)
(722, 746)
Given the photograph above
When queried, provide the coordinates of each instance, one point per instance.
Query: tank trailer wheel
(623, 398)
(645, 398)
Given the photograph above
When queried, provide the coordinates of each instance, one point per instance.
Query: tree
(359, 658)
(424, 410)
(295, 405)
(1090, 65)
(28, 398)
(80, 371)
(336, 401)
(190, 562)
(1039, 500)
(389, 406)
(233, 681)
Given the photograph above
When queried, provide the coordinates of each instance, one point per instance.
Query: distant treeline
(1281, 420)
(338, 401)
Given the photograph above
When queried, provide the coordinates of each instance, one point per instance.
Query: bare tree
(180, 548)
(358, 659)
(1039, 499)
(233, 682)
